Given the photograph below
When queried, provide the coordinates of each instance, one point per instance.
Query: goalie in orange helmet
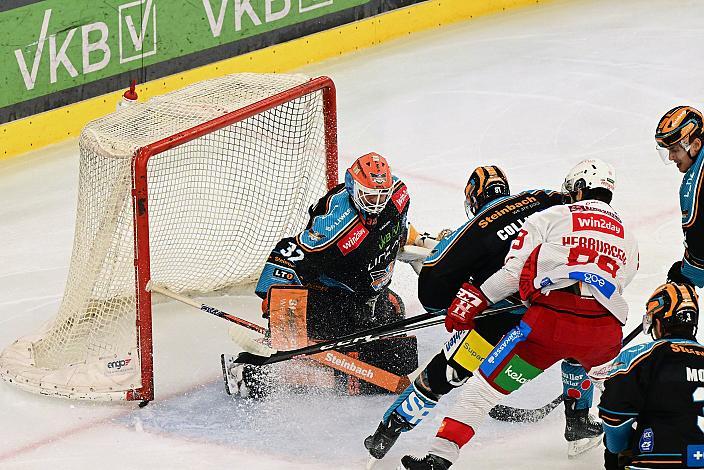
(342, 265)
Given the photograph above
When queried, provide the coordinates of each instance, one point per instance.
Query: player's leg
(582, 430)
(514, 361)
(450, 368)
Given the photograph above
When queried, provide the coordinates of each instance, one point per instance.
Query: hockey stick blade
(518, 415)
(243, 339)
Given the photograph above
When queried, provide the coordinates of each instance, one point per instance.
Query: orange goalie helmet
(369, 183)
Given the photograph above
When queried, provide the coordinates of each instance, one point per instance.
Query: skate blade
(371, 463)
(224, 374)
(580, 446)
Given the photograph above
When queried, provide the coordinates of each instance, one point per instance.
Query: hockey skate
(385, 436)
(429, 462)
(582, 430)
(244, 380)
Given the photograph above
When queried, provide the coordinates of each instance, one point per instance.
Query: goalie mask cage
(190, 190)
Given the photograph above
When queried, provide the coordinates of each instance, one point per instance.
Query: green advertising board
(56, 45)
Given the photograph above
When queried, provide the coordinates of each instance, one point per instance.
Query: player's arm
(692, 265)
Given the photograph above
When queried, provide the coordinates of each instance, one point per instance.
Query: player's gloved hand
(468, 302)
(675, 274)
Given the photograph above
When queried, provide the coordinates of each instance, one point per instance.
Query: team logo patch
(602, 285)
(382, 277)
(400, 198)
(647, 440)
(597, 223)
(695, 456)
(516, 373)
(353, 239)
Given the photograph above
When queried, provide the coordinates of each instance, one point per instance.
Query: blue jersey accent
(507, 344)
(695, 456)
(601, 284)
(275, 274)
(629, 356)
(618, 438)
(689, 190)
(326, 228)
(693, 273)
(330, 282)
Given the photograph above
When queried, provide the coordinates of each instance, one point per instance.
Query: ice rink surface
(533, 91)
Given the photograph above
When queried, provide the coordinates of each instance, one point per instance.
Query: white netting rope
(217, 206)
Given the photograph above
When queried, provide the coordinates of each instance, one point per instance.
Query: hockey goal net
(190, 190)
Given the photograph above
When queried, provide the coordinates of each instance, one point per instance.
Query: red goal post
(195, 208)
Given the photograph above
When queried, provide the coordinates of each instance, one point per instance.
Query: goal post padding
(192, 190)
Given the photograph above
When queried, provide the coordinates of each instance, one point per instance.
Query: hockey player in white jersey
(570, 264)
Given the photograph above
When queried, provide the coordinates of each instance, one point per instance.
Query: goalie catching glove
(468, 302)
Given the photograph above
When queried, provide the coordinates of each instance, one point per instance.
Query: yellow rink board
(53, 126)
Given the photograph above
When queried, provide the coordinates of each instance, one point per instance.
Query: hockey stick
(520, 415)
(349, 341)
(376, 376)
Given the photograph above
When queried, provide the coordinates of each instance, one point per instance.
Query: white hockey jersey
(585, 242)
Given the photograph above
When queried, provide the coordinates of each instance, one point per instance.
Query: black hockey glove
(675, 274)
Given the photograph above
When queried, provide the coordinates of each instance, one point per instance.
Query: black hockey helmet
(485, 184)
(675, 305)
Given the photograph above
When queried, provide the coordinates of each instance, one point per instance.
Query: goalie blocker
(299, 316)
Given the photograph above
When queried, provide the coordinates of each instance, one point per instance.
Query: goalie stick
(520, 415)
(380, 377)
(345, 342)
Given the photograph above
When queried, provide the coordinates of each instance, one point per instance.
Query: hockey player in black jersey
(653, 402)
(679, 138)
(474, 252)
(344, 260)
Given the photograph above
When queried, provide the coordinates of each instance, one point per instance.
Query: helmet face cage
(369, 183)
(485, 184)
(672, 304)
(679, 126)
(370, 200)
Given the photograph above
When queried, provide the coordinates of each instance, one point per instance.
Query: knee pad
(576, 384)
(439, 376)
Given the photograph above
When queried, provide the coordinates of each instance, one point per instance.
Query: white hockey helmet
(589, 174)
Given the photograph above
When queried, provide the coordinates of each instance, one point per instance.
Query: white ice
(533, 91)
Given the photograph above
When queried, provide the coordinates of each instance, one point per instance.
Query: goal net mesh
(217, 206)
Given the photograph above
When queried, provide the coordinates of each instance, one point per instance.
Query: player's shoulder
(333, 214)
(399, 195)
(635, 355)
(631, 357)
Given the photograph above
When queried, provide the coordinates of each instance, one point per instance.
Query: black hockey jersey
(477, 249)
(660, 386)
(338, 250)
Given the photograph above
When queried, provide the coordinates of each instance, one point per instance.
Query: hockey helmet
(589, 174)
(485, 184)
(680, 125)
(369, 183)
(674, 305)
